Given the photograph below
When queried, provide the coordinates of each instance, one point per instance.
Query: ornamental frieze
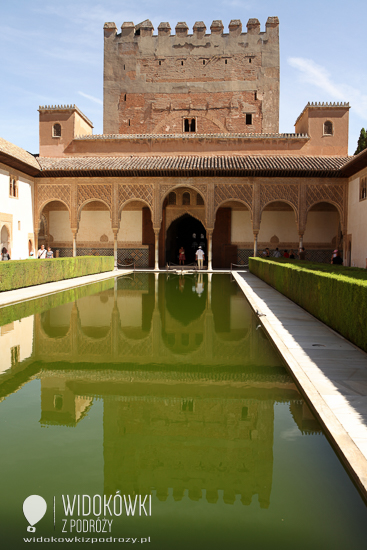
(330, 192)
(227, 192)
(279, 192)
(129, 192)
(52, 192)
(87, 193)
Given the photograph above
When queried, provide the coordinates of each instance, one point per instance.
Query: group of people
(199, 256)
(291, 254)
(43, 254)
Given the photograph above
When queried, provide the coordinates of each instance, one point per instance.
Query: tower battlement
(205, 82)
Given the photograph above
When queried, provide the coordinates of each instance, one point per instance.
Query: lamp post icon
(34, 508)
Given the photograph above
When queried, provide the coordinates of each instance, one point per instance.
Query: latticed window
(328, 128)
(56, 130)
(15, 355)
(199, 200)
(186, 199)
(363, 189)
(172, 198)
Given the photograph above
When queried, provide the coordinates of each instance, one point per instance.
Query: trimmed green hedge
(336, 295)
(22, 273)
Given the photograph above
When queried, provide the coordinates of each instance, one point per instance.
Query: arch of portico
(256, 194)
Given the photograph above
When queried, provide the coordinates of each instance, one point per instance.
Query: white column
(209, 236)
(156, 250)
(115, 248)
(255, 244)
(301, 240)
(74, 242)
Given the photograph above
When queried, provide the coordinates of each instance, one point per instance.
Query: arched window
(199, 200)
(13, 187)
(328, 128)
(186, 199)
(56, 130)
(172, 198)
(189, 125)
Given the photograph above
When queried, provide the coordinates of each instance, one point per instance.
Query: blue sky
(52, 53)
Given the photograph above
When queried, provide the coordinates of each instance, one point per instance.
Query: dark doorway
(181, 233)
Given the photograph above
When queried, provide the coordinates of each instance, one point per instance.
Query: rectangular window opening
(363, 189)
(248, 119)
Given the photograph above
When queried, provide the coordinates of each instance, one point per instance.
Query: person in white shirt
(41, 255)
(200, 257)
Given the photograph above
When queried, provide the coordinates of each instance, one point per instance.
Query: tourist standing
(41, 254)
(49, 253)
(181, 256)
(337, 260)
(286, 254)
(5, 256)
(277, 254)
(302, 253)
(292, 255)
(200, 257)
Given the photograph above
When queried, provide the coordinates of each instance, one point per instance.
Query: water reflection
(188, 385)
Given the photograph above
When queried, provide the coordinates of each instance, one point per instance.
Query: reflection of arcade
(205, 328)
(174, 425)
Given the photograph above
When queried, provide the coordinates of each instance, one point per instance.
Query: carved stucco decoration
(129, 192)
(53, 192)
(227, 192)
(333, 193)
(279, 192)
(88, 193)
(201, 188)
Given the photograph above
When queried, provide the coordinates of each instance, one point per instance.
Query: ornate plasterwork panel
(325, 193)
(53, 192)
(128, 192)
(226, 192)
(201, 188)
(92, 192)
(279, 192)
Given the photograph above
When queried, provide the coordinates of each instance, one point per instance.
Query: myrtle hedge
(336, 295)
(22, 273)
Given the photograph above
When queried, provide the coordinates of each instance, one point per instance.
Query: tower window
(181, 62)
(125, 97)
(248, 119)
(249, 60)
(225, 61)
(160, 62)
(189, 125)
(363, 189)
(255, 96)
(203, 61)
(56, 130)
(328, 128)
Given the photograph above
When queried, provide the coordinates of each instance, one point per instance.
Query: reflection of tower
(203, 441)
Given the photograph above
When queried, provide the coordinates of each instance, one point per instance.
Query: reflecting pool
(154, 409)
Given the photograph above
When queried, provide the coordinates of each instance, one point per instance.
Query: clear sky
(52, 53)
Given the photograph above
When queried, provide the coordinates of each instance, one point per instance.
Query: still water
(162, 392)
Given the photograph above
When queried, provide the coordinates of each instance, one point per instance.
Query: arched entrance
(188, 232)
(4, 238)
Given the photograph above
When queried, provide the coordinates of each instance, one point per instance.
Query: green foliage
(362, 142)
(22, 273)
(336, 295)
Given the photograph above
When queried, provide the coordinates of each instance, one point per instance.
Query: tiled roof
(218, 165)
(17, 157)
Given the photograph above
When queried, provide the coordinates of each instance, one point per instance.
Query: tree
(362, 141)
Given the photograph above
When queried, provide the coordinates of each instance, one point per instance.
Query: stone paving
(330, 371)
